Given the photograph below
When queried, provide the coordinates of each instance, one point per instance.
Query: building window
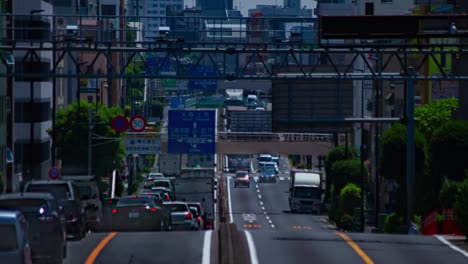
(42, 68)
(32, 29)
(108, 10)
(38, 152)
(40, 112)
(386, 1)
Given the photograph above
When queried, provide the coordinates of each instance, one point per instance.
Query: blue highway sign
(203, 84)
(177, 102)
(191, 131)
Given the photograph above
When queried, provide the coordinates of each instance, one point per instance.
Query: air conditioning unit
(59, 21)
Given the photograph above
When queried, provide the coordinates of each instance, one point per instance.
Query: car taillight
(114, 210)
(188, 216)
(153, 209)
(168, 198)
(198, 219)
(110, 202)
(150, 180)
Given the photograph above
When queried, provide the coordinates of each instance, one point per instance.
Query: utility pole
(90, 141)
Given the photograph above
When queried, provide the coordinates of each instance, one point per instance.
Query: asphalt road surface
(274, 235)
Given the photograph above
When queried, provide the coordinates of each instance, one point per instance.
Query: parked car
(47, 228)
(242, 178)
(182, 218)
(90, 199)
(199, 213)
(14, 242)
(148, 181)
(140, 212)
(68, 196)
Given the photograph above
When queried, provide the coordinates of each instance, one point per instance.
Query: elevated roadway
(280, 143)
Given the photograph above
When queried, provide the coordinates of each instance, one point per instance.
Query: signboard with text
(142, 145)
(191, 131)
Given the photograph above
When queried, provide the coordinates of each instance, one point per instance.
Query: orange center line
(356, 248)
(92, 257)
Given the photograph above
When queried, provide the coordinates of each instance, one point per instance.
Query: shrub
(333, 205)
(350, 198)
(393, 223)
(336, 154)
(460, 208)
(448, 194)
(346, 171)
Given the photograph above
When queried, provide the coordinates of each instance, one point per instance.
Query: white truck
(169, 164)
(305, 191)
(197, 189)
(235, 97)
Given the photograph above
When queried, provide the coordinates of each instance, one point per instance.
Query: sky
(245, 5)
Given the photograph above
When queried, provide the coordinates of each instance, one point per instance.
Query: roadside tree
(72, 138)
(433, 115)
(447, 156)
(392, 165)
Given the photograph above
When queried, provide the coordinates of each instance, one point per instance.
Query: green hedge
(460, 208)
(346, 171)
(336, 154)
(394, 223)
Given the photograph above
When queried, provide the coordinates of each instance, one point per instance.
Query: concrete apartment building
(33, 95)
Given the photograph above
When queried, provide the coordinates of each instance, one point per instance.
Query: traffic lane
(388, 248)
(246, 210)
(303, 247)
(284, 166)
(79, 250)
(275, 200)
(153, 247)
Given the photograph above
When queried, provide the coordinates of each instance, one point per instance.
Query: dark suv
(46, 224)
(68, 197)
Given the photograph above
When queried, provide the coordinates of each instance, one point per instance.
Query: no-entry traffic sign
(138, 123)
(120, 123)
(54, 173)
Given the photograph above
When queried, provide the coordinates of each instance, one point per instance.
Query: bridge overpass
(280, 143)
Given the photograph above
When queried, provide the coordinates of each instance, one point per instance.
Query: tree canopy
(431, 116)
(72, 138)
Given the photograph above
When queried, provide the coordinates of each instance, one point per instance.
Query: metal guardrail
(248, 137)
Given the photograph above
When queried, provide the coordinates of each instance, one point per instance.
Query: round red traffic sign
(54, 173)
(120, 123)
(138, 123)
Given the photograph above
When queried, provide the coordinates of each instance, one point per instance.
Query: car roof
(49, 182)
(6, 215)
(175, 202)
(27, 195)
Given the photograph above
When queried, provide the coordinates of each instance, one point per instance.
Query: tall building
(33, 95)
(151, 13)
(292, 3)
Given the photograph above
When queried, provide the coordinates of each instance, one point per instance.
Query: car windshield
(268, 169)
(86, 191)
(9, 241)
(161, 184)
(177, 207)
(133, 200)
(306, 192)
(240, 174)
(155, 175)
(264, 159)
(59, 191)
(24, 205)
